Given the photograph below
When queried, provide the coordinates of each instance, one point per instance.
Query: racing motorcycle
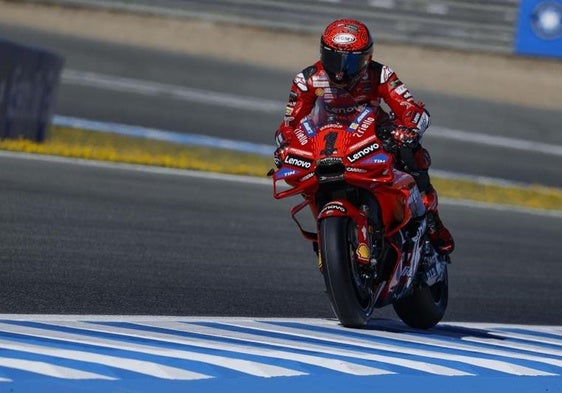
(369, 221)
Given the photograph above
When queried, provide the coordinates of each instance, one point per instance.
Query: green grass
(109, 147)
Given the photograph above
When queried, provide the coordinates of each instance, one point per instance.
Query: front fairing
(333, 145)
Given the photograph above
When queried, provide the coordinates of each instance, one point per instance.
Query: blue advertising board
(539, 29)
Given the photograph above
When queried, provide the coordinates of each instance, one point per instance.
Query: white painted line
(243, 366)
(449, 344)
(548, 329)
(302, 346)
(51, 370)
(323, 362)
(138, 86)
(494, 140)
(137, 366)
(496, 365)
(517, 345)
(528, 337)
(499, 207)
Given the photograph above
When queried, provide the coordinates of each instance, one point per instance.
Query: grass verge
(68, 142)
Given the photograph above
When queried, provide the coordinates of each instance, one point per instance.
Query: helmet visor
(342, 66)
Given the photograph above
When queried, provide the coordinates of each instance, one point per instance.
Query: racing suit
(379, 83)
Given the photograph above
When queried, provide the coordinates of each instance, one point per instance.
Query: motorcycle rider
(349, 80)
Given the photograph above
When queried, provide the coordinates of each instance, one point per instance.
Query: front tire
(425, 306)
(350, 292)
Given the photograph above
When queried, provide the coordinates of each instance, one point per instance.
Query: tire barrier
(29, 78)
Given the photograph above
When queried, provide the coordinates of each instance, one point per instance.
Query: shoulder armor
(309, 71)
(302, 79)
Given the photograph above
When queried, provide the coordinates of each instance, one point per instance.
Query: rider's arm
(301, 101)
(409, 114)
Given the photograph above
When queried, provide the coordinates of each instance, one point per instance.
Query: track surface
(83, 239)
(103, 240)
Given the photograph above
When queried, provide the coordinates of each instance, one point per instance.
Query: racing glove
(405, 137)
(279, 155)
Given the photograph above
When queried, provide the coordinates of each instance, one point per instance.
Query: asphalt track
(94, 240)
(103, 239)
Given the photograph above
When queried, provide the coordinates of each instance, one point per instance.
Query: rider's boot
(439, 235)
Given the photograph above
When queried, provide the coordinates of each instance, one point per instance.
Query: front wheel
(348, 288)
(425, 306)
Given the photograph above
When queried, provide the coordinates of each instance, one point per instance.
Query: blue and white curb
(172, 354)
(163, 135)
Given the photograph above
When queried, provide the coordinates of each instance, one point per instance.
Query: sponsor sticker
(284, 172)
(364, 114)
(320, 81)
(401, 89)
(308, 128)
(299, 162)
(379, 159)
(364, 127)
(363, 152)
(343, 38)
(330, 208)
(301, 136)
(363, 251)
(352, 127)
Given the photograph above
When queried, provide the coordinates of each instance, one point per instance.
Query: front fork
(434, 265)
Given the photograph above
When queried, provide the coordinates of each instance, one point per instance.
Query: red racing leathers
(379, 83)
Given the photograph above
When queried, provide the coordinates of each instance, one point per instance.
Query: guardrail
(501, 26)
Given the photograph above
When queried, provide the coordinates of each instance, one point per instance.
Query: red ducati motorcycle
(370, 230)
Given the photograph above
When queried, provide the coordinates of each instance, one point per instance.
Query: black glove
(384, 133)
(279, 155)
(405, 137)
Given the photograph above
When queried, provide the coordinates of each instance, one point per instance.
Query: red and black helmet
(346, 47)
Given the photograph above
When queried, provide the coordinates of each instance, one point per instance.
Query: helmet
(346, 47)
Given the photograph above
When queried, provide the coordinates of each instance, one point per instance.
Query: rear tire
(350, 294)
(425, 306)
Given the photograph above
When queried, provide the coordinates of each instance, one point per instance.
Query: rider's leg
(417, 163)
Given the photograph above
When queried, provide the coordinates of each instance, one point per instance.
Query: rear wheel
(349, 288)
(425, 306)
